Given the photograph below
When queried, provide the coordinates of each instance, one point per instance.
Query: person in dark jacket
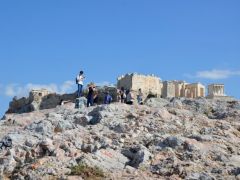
(140, 97)
(90, 95)
(123, 95)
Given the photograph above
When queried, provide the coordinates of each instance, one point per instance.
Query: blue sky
(45, 43)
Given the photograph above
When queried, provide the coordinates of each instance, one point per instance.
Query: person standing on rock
(123, 95)
(140, 97)
(79, 82)
(90, 96)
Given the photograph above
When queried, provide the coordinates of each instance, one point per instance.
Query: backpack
(76, 80)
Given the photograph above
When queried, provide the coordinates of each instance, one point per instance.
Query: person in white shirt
(79, 82)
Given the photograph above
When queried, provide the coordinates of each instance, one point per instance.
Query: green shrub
(87, 172)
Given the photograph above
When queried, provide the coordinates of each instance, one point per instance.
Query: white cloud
(214, 74)
(67, 86)
(104, 83)
(23, 90)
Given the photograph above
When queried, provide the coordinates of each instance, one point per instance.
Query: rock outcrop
(43, 99)
(165, 139)
(38, 100)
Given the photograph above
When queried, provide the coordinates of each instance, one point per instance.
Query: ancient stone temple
(216, 90)
(194, 90)
(182, 89)
(167, 89)
(149, 84)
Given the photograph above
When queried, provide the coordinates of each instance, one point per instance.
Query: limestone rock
(172, 142)
(175, 138)
(137, 155)
(81, 103)
(157, 102)
(107, 159)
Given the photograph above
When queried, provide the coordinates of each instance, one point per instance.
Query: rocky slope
(164, 139)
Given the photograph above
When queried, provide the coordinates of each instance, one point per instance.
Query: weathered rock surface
(43, 99)
(165, 139)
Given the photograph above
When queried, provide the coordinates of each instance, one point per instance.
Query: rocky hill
(163, 139)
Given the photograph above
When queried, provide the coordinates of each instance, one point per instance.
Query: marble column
(215, 90)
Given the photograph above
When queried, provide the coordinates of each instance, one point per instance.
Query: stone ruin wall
(168, 89)
(153, 85)
(195, 90)
(148, 84)
(38, 100)
(37, 95)
(125, 81)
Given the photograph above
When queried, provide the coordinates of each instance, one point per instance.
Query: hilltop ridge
(175, 138)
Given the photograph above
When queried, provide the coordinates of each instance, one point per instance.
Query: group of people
(123, 96)
(92, 96)
(128, 96)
